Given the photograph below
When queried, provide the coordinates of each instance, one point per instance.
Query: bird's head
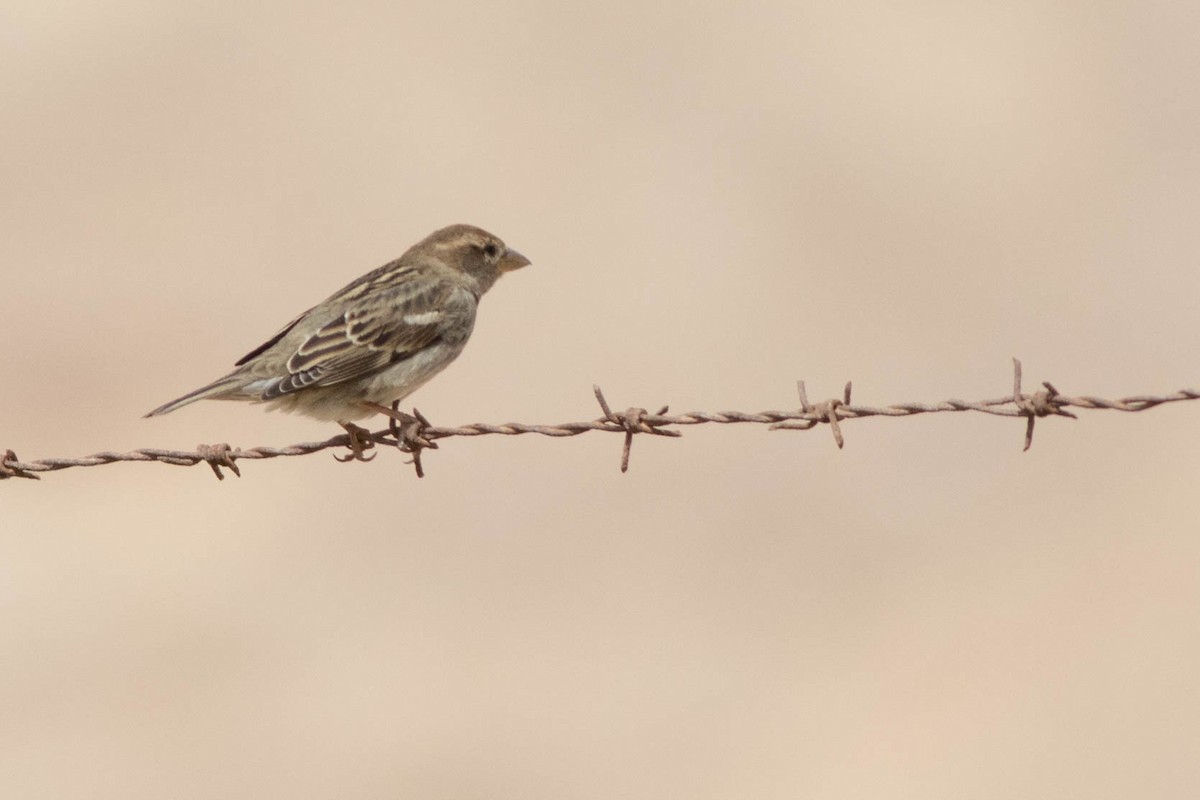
(480, 254)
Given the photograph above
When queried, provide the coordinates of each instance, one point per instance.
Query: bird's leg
(394, 415)
(360, 442)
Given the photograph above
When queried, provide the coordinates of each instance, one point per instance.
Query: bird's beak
(512, 260)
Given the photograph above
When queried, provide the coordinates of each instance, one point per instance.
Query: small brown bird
(375, 341)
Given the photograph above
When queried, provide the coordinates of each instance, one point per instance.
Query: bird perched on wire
(377, 340)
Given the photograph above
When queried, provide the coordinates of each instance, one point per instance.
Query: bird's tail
(220, 389)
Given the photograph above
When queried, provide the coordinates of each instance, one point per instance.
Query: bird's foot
(360, 443)
(409, 430)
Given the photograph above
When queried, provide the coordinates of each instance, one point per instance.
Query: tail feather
(220, 389)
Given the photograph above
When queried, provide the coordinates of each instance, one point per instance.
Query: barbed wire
(413, 434)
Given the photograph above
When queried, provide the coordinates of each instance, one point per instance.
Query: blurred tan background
(718, 199)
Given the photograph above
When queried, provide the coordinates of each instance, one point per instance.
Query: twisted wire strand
(417, 434)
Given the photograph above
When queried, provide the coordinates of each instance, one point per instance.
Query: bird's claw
(360, 443)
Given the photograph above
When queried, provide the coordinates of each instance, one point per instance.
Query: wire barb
(413, 434)
(10, 467)
(1039, 404)
(634, 420)
(813, 414)
(217, 456)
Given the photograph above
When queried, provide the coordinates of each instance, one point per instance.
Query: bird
(376, 340)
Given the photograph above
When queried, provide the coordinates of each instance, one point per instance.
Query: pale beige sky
(718, 199)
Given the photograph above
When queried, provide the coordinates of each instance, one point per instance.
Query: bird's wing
(389, 277)
(384, 322)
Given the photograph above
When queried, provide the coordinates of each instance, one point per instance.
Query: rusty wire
(417, 434)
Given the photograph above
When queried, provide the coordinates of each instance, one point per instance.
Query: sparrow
(375, 341)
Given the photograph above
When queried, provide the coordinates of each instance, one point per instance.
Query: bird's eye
(491, 250)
